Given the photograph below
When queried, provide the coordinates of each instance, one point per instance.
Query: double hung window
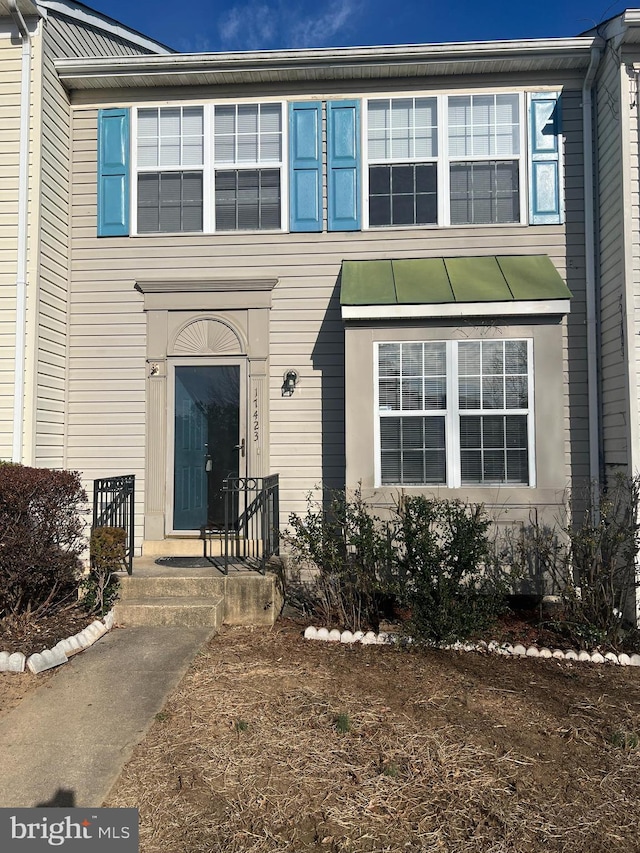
(170, 156)
(484, 159)
(180, 166)
(444, 160)
(403, 169)
(248, 159)
(455, 413)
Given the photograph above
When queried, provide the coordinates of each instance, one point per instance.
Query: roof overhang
(28, 8)
(85, 15)
(504, 285)
(359, 63)
(623, 28)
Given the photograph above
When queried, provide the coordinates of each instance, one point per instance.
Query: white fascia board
(455, 310)
(83, 14)
(333, 57)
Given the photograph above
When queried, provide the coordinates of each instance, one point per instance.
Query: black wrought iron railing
(250, 533)
(113, 503)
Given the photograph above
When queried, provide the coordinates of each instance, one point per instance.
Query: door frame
(243, 467)
(173, 306)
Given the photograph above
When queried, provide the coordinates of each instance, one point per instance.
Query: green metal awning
(433, 281)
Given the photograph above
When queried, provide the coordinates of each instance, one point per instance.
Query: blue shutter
(545, 178)
(305, 166)
(343, 155)
(113, 173)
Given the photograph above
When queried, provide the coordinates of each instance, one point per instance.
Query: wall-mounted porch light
(289, 382)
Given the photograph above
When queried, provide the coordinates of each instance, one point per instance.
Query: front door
(208, 442)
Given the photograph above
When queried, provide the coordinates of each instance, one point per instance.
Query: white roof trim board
(518, 308)
(328, 63)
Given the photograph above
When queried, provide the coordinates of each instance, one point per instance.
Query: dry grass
(272, 743)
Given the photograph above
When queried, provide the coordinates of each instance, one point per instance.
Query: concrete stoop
(193, 598)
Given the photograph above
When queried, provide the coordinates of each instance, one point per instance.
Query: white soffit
(358, 63)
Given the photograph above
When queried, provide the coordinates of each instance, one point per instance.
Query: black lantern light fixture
(290, 380)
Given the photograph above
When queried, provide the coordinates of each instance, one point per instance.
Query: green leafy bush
(40, 538)
(444, 569)
(350, 550)
(108, 555)
(433, 558)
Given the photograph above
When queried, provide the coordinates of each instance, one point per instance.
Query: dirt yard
(274, 743)
(29, 635)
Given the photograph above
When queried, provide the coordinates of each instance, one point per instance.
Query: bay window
(455, 413)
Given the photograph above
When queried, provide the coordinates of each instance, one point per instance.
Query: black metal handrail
(113, 506)
(251, 512)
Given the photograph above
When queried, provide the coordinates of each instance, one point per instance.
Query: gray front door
(207, 442)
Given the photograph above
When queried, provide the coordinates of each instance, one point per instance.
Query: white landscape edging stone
(61, 652)
(491, 647)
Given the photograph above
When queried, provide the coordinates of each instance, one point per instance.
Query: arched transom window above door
(207, 336)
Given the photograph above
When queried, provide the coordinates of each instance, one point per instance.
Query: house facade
(375, 266)
(405, 242)
(34, 215)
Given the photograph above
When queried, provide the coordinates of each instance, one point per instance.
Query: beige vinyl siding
(10, 74)
(611, 251)
(634, 192)
(306, 331)
(74, 38)
(63, 37)
(54, 266)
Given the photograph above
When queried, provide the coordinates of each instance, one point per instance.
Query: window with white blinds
(192, 179)
(484, 159)
(248, 137)
(455, 413)
(170, 159)
(448, 160)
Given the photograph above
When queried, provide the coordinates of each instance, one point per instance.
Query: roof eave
(79, 12)
(466, 57)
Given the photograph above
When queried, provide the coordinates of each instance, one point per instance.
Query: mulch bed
(29, 634)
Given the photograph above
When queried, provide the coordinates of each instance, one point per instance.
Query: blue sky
(214, 25)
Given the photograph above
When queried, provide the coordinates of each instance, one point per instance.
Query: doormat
(187, 562)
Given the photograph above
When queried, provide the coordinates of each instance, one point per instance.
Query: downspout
(23, 201)
(593, 378)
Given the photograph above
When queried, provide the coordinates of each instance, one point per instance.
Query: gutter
(23, 202)
(593, 378)
(325, 63)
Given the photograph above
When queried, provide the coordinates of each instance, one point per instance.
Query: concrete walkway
(66, 742)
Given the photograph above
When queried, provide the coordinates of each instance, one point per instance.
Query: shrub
(603, 551)
(350, 550)
(444, 571)
(590, 561)
(40, 537)
(108, 555)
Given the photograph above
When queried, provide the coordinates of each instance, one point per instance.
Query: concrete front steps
(193, 598)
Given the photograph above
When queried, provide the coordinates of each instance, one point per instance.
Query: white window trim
(521, 158)
(137, 170)
(208, 170)
(444, 160)
(452, 421)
